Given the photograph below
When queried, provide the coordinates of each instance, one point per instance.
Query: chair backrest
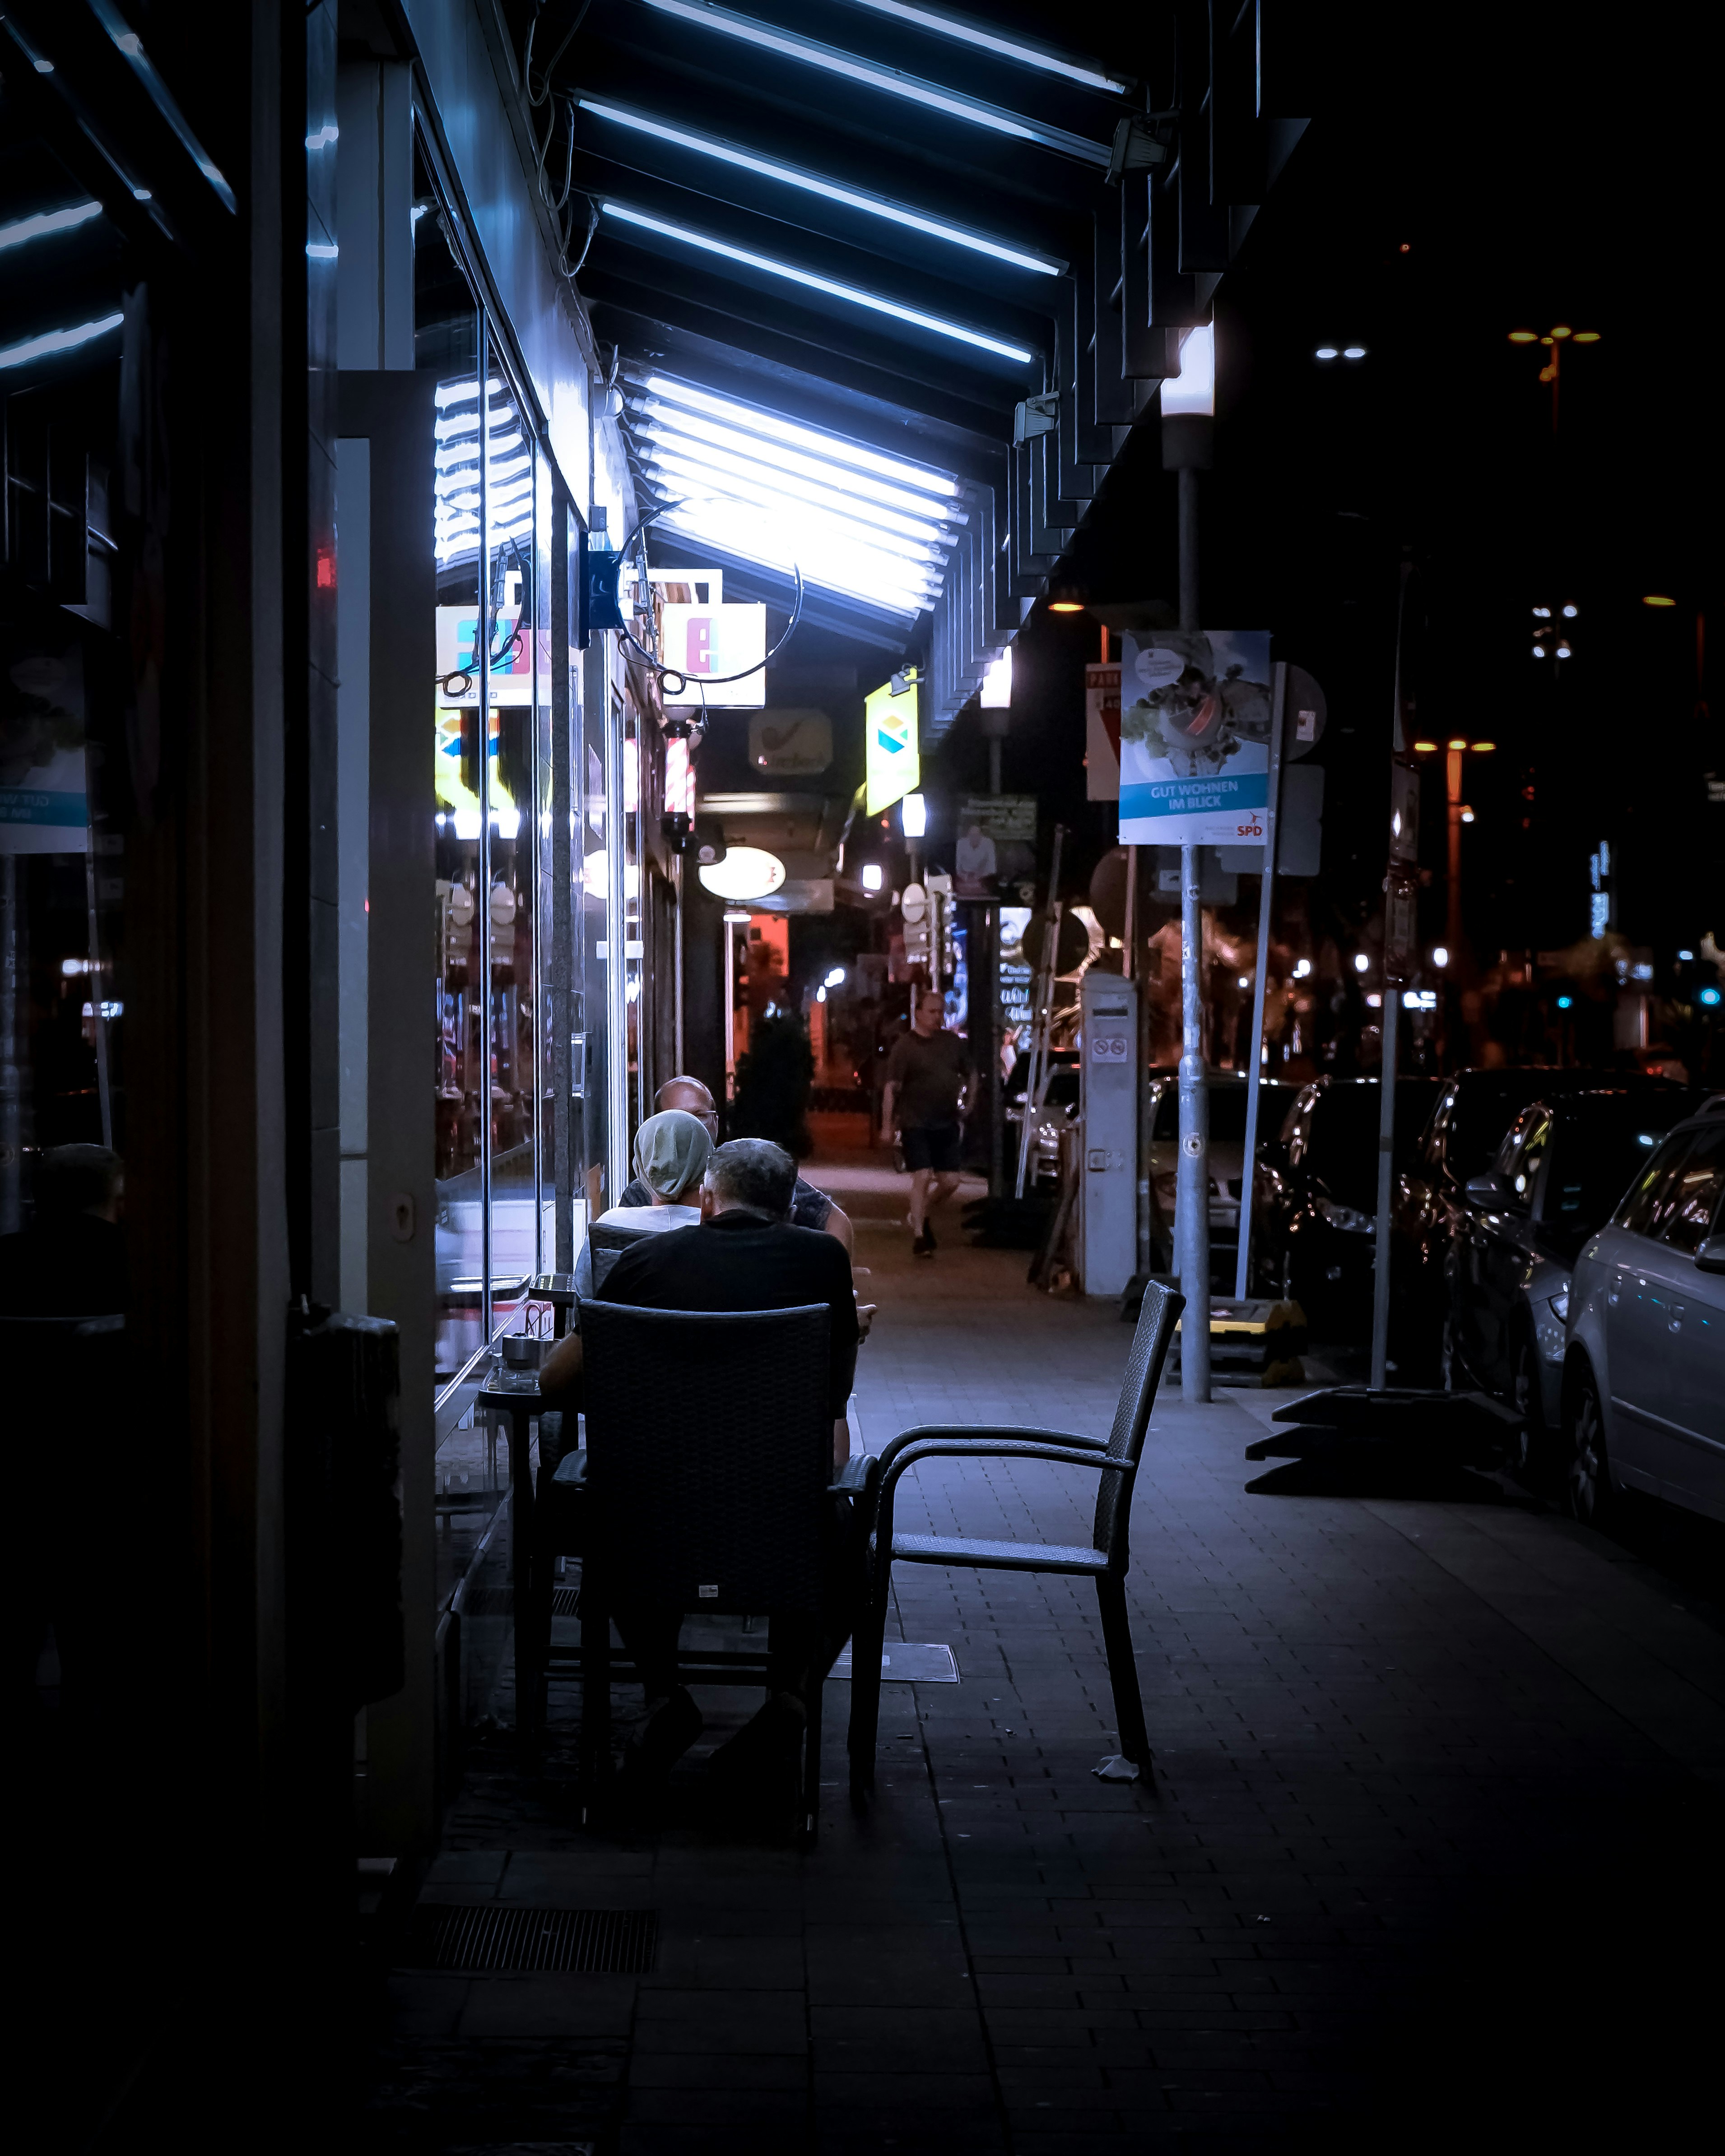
(709, 1451)
(608, 1242)
(1156, 1319)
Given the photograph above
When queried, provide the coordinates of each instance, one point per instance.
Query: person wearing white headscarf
(671, 1151)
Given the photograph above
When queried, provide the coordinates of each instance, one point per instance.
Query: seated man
(671, 1151)
(810, 1207)
(745, 1255)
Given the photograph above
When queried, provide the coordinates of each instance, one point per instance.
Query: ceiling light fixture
(722, 478)
(854, 69)
(127, 42)
(46, 222)
(57, 341)
(1326, 352)
(814, 282)
(1091, 76)
(1658, 599)
(790, 176)
(1353, 352)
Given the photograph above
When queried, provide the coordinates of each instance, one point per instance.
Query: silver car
(1644, 1367)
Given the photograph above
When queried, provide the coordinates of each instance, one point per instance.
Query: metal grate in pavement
(582, 1942)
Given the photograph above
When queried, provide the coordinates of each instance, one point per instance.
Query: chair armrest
(943, 1448)
(859, 1474)
(984, 1433)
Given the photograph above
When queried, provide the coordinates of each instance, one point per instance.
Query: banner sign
(1102, 732)
(1195, 708)
(511, 677)
(703, 641)
(892, 758)
(44, 806)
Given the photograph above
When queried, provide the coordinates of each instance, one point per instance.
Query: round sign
(746, 872)
(1155, 665)
(914, 904)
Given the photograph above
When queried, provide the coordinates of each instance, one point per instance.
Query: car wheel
(1587, 1476)
(1525, 1446)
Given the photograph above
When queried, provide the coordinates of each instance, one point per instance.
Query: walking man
(931, 1082)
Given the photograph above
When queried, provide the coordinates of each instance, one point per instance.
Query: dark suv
(1473, 1112)
(1315, 1197)
(1557, 1178)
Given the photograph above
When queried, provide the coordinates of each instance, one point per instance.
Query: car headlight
(1560, 1306)
(1348, 1217)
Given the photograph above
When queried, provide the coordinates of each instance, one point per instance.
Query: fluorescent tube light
(696, 427)
(854, 69)
(46, 222)
(1008, 49)
(714, 457)
(55, 340)
(814, 283)
(685, 477)
(813, 183)
(782, 546)
(746, 417)
(712, 468)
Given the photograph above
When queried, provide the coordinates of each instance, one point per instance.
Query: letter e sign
(700, 644)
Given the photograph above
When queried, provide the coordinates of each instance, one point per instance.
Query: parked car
(1315, 1197)
(1059, 1108)
(1226, 1099)
(1644, 1365)
(1472, 1113)
(1557, 1178)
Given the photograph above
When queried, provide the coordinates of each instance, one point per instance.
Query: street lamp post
(1188, 429)
(1457, 812)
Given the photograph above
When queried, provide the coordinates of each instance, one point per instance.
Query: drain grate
(586, 1942)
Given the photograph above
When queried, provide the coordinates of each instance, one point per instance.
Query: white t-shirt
(639, 1220)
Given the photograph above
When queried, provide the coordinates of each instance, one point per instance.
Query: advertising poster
(1195, 708)
(43, 805)
(1102, 732)
(995, 846)
(892, 759)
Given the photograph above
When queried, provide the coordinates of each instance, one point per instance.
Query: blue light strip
(131, 46)
(813, 183)
(872, 301)
(967, 32)
(46, 222)
(56, 341)
(854, 69)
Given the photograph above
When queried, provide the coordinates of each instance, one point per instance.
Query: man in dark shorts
(810, 1207)
(930, 1082)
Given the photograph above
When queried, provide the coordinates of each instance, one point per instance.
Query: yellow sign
(892, 761)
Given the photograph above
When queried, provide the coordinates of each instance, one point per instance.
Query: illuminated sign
(892, 760)
(706, 644)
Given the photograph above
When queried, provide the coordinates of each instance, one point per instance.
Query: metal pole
(1279, 698)
(1041, 1016)
(1191, 1181)
(482, 652)
(1386, 1157)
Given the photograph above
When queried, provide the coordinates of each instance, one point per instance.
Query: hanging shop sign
(1195, 716)
(511, 674)
(892, 758)
(996, 843)
(790, 744)
(1015, 984)
(1102, 732)
(708, 644)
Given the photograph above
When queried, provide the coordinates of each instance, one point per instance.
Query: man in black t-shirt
(931, 1082)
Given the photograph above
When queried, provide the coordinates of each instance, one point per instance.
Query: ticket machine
(1108, 1199)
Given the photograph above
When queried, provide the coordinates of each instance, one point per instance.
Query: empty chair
(1104, 1560)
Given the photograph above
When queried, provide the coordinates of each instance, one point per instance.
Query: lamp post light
(1188, 433)
(1553, 342)
(1458, 813)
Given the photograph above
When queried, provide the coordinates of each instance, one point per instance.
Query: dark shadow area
(1370, 1471)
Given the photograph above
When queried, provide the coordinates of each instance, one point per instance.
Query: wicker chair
(705, 1486)
(1104, 1560)
(608, 1242)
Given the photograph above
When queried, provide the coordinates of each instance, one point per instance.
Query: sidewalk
(1433, 1850)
